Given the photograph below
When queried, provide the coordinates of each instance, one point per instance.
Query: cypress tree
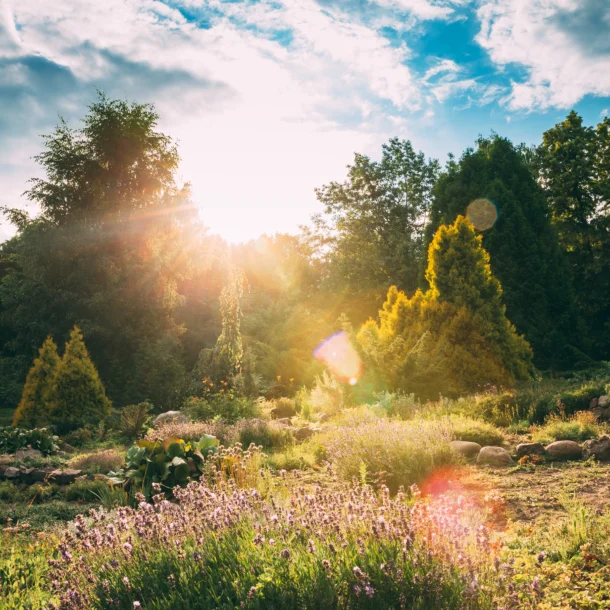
(523, 247)
(34, 408)
(79, 397)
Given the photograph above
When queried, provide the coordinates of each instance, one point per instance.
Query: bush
(579, 399)
(474, 430)
(228, 406)
(13, 439)
(391, 452)
(579, 427)
(259, 432)
(133, 418)
(78, 438)
(85, 491)
(193, 431)
(100, 462)
(326, 395)
(402, 406)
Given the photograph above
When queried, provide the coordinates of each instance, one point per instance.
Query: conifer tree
(454, 337)
(78, 396)
(34, 408)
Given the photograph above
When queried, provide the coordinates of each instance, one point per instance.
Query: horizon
(269, 100)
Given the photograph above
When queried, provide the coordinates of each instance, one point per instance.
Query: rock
(65, 477)
(530, 449)
(323, 418)
(599, 448)
(283, 410)
(494, 456)
(28, 453)
(284, 421)
(170, 417)
(66, 448)
(39, 474)
(466, 448)
(301, 434)
(593, 403)
(603, 401)
(12, 473)
(564, 450)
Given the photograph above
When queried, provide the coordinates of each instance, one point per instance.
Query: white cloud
(563, 44)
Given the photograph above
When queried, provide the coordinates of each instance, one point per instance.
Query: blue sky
(270, 98)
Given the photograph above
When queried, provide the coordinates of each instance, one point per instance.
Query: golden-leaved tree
(34, 406)
(455, 337)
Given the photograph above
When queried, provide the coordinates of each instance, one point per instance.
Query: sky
(269, 99)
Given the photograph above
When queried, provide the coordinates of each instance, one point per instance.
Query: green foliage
(168, 463)
(85, 491)
(327, 395)
(227, 405)
(99, 462)
(260, 432)
(133, 418)
(80, 437)
(522, 245)
(398, 404)
(579, 427)
(455, 337)
(474, 430)
(78, 396)
(395, 453)
(13, 439)
(35, 405)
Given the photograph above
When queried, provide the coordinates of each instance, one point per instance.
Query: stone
(593, 403)
(170, 417)
(283, 410)
(599, 448)
(39, 474)
(12, 473)
(466, 448)
(67, 448)
(323, 418)
(301, 434)
(494, 456)
(28, 453)
(564, 450)
(284, 421)
(529, 449)
(603, 401)
(65, 477)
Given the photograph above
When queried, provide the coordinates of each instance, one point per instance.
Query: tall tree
(78, 397)
(371, 231)
(35, 405)
(522, 244)
(573, 167)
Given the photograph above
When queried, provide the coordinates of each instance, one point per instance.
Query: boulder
(466, 448)
(39, 474)
(65, 477)
(603, 401)
(599, 448)
(301, 434)
(494, 456)
(170, 417)
(28, 453)
(530, 449)
(284, 421)
(12, 473)
(564, 450)
(323, 418)
(283, 410)
(593, 403)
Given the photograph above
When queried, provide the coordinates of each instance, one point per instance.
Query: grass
(579, 427)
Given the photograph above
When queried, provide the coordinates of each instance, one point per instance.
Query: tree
(522, 244)
(370, 234)
(573, 168)
(454, 337)
(78, 396)
(34, 408)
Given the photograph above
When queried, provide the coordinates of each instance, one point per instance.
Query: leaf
(207, 443)
(175, 450)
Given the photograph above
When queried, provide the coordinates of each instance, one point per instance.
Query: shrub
(79, 437)
(85, 491)
(133, 418)
(474, 430)
(228, 406)
(391, 452)
(326, 395)
(100, 462)
(13, 439)
(259, 432)
(193, 431)
(397, 404)
(579, 427)
(580, 398)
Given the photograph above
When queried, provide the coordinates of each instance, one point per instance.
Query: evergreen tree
(453, 338)
(78, 395)
(34, 408)
(522, 244)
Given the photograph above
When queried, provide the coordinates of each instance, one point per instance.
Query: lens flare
(340, 357)
(482, 213)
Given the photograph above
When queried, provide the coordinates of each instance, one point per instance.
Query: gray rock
(39, 474)
(564, 450)
(466, 448)
(170, 417)
(530, 449)
(12, 473)
(301, 434)
(593, 403)
(494, 456)
(284, 421)
(599, 448)
(323, 418)
(603, 401)
(28, 453)
(65, 477)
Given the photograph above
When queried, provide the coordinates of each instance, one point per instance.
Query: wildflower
(136, 605)
(369, 591)
(126, 582)
(541, 557)
(285, 554)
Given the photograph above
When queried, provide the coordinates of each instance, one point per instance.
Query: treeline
(118, 249)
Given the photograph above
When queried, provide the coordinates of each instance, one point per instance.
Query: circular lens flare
(340, 357)
(482, 213)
